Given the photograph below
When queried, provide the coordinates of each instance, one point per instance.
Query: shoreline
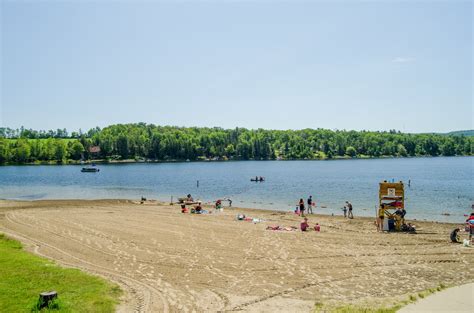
(208, 204)
(150, 161)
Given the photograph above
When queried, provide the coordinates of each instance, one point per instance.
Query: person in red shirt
(304, 224)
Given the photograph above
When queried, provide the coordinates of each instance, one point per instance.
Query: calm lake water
(438, 185)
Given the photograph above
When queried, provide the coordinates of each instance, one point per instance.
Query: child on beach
(304, 224)
(454, 236)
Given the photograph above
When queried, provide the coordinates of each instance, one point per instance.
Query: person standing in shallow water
(310, 205)
(301, 204)
(349, 207)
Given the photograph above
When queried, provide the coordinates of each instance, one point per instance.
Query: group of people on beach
(300, 208)
(310, 203)
(196, 207)
(346, 208)
(454, 236)
(304, 226)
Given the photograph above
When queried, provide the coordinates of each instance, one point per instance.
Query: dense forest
(166, 143)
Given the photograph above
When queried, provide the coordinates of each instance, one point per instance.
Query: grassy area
(319, 307)
(23, 276)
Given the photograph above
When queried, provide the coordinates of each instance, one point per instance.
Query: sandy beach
(167, 261)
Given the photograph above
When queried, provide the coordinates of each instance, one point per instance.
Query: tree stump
(46, 297)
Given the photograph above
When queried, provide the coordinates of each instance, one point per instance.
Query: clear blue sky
(280, 65)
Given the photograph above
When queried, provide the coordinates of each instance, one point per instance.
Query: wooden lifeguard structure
(391, 198)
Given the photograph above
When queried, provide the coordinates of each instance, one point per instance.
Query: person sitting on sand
(183, 208)
(304, 224)
(455, 236)
(409, 228)
(317, 227)
(198, 208)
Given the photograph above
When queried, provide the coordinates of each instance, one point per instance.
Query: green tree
(123, 146)
(22, 152)
(351, 151)
(401, 150)
(60, 152)
(448, 148)
(4, 151)
(76, 150)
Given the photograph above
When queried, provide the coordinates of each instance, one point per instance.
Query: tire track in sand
(142, 291)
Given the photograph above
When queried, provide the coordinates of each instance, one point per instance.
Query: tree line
(166, 143)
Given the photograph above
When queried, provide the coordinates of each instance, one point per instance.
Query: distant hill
(461, 133)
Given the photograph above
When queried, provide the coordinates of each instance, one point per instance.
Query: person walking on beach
(310, 205)
(349, 207)
(301, 204)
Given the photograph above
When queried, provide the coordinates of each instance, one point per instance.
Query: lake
(438, 185)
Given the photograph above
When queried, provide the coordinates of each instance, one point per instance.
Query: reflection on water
(438, 185)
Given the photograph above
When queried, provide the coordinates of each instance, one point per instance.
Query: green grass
(23, 276)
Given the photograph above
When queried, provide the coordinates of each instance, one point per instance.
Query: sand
(167, 261)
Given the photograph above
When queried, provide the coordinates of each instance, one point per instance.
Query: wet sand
(167, 261)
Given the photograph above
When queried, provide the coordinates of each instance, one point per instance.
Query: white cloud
(402, 60)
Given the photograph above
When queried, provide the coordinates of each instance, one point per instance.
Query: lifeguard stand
(391, 198)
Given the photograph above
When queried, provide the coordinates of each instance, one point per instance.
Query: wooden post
(46, 297)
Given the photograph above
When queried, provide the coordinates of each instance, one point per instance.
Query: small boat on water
(257, 179)
(90, 169)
